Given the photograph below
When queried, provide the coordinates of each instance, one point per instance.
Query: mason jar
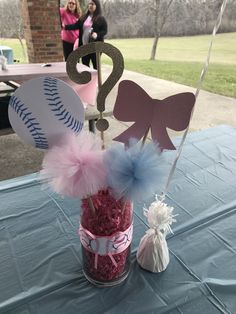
(106, 228)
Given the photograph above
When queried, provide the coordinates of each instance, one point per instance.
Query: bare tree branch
(160, 17)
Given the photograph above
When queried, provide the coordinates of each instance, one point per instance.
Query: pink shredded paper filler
(111, 216)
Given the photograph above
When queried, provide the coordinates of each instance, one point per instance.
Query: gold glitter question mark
(85, 76)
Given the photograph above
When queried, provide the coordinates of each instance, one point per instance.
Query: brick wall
(42, 30)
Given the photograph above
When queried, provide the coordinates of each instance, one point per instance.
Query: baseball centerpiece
(48, 114)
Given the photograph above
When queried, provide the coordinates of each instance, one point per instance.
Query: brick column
(42, 30)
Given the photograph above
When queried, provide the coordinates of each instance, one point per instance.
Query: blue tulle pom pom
(134, 172)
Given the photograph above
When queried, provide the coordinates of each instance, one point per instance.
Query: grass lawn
(179, 59)
(16, 47)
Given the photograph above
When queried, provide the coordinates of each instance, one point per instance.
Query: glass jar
(106, 229)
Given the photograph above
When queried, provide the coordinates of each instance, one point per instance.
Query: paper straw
(199, 86)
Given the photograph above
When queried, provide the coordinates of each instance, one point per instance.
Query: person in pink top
(70, 13)
(92, 27)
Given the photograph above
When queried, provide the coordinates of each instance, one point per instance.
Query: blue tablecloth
(40, 260)
(8, 53)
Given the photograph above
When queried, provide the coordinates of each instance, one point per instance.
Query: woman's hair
(78, 11)
(97, 12)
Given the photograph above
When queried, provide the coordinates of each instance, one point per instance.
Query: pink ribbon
(108, 245)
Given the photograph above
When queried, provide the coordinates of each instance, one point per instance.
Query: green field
(16, 47)
(179, 59)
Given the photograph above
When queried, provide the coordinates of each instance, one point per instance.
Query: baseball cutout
(44, 109)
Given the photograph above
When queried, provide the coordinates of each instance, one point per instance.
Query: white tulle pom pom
(153, 253)
(159, 216)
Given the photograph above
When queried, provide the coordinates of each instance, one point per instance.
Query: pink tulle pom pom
(75, 167)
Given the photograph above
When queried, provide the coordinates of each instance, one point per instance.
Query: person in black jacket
(92, 27)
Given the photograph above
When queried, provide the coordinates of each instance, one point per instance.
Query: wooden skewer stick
(123, 207)
(90, 201)
(143, 142)
(98, 59)
(145, 136)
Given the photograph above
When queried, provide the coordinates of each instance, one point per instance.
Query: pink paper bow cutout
(134, 104)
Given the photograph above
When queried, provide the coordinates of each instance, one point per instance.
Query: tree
(160, 15)
(11, 21)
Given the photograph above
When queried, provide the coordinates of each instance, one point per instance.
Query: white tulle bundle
(160, 216)
(153, 253)
(75, 167)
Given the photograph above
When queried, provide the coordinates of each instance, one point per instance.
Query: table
(40, 258)
(8, 53)
(16, 74)
(23, 72)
